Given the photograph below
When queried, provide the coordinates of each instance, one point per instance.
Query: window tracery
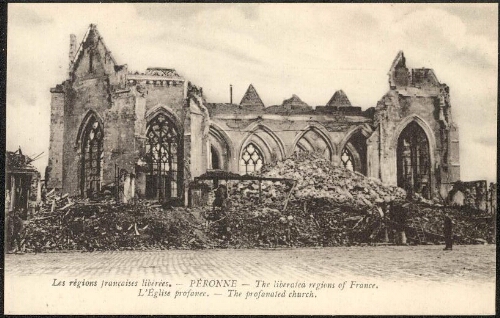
(251, 159)
(92, 150)
(347, 159)
(162, 181)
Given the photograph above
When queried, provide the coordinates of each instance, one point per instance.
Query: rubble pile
(468, 228)
(311, 203)
(330, 206)
(319, 178)
(311, 222)
(308, 202)
(105, 225)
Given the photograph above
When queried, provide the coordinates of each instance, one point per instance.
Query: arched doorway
(92, 157)
(413, 160)
(162, 158)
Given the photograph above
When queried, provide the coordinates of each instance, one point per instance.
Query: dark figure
(399, 219)
(383, 208)
(14, 230)
(448, 232)
(44, 193)
(220, 199)
(219, 211)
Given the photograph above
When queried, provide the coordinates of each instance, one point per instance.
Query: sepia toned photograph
(256, 158)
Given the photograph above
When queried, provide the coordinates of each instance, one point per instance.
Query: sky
(310, 50)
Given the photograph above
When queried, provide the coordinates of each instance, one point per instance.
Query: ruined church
(161, 130)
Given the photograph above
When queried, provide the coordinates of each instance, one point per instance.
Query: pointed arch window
(413, 160)
(312, 140)
(92, 160)
(162, 158)
(354, 153)
(347, 159)
(251, 159)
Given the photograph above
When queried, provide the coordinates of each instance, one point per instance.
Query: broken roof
(225, 108)
(423, 76)
(399, 60)
(295, 102)
(339, 99)
(90, 38)
(18, 163)
(251, 98)
(416, 77)
(162, 71)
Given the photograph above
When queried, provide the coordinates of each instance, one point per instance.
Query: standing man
(14, 231)
(448, 232)
(219, 204)
(219, 210)
(405, 211)
(394, 222)
(381, 206)
(399, 218)
(385, 212)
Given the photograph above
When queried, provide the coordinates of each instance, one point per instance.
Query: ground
(428, 271)
(475, 263)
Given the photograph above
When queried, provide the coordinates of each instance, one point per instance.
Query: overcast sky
(310, 50)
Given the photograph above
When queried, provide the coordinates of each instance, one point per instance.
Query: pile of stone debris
(469, 226)
(319, 178)
(105, 225)
(318, 204)
(309, 203)
(327, 205)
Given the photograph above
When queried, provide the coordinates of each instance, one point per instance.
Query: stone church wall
(124, 103)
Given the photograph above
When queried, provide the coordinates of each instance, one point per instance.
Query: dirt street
(391, 263)
(400, 280)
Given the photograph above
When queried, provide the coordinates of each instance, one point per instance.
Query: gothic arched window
(413, 160)
(313, 141)
(162, 181)
(92, 156)
(347, 159)
(251, 159)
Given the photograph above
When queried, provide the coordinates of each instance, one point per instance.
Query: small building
(22, 182)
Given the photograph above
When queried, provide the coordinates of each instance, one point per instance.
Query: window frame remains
(92, 158)
(163, 178)
(251, 161)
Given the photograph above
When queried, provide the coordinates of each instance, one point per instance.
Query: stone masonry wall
(395, 111)
(55, 166)
(278, 137)
(98, 87)
(124, 102)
